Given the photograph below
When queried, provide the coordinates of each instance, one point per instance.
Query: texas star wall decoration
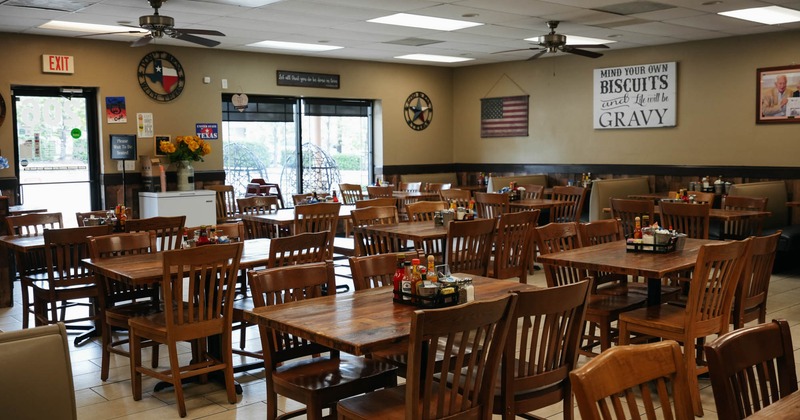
(161, 76)
(418, 111)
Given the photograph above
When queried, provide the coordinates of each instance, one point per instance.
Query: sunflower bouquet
(185, 148)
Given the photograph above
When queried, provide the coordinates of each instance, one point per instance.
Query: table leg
(653, 291)
(6, 280)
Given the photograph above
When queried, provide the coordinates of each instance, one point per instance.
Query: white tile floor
(112, 399)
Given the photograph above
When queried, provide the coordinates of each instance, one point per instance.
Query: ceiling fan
(554, 42)
(161, 25)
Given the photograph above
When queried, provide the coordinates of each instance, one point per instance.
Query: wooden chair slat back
(491, 205)
(319, 217)
(691, 219)
(168, 230)
(627, 210)
(478, 328)
(751, 293)
(568, 212)
(372, 271)
(226, 202)
(532, 191)
(437, 186)
(378, 192)
(460, 197)
(303, 248)
(743, 228)
(424, 210)
(409, 186)
(751, 368)
(469, 246)
(717, 272)
(373, 243)
(351, 193)
(513, 244)
(33, 223)
(377, 202)
(64, 250)
(607, 386)
(558, 237)
(119, 244)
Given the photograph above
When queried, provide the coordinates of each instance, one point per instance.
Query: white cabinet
(199, 206)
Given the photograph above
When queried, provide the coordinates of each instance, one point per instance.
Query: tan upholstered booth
(497, 182)
(36, 374)
(444, 177)
(604, 189)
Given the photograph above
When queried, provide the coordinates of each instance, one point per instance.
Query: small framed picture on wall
(778, 95)
(159, 138)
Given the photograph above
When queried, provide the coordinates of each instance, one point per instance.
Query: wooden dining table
(25, 209)
(409, 231)
(615, 258)
(361, 322)
(786, 408)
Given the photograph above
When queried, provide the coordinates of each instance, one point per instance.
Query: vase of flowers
(185, 151)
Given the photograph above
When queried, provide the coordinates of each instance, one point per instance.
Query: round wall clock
(161, 76)
(418, 111)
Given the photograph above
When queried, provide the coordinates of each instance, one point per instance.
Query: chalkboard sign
(123, 147)
(318, 80)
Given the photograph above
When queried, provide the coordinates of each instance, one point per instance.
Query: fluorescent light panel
(296, 46)
(61, 25)
(434, 58)
(424, 22)
(770, 15)
(578, 40)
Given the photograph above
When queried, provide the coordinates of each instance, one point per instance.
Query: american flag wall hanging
(505, 116)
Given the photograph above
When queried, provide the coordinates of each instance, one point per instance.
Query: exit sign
(52, 63)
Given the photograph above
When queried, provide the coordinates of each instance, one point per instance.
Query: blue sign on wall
(207, 131)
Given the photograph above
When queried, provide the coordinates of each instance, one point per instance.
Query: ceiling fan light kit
(554, 42)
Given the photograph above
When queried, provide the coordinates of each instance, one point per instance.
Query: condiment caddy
(412, 285)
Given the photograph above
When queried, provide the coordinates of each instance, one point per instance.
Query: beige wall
(715, 113)
(111, 67)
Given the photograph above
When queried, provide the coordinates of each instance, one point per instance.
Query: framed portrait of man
(778, 95)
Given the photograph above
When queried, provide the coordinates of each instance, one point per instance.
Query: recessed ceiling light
(770, 15)
(92, 28)
(470, 15)
(711, 3)
(434, 58)
(615, 36)
(425, 22)
(296, 46)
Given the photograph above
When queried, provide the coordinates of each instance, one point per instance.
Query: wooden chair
(491, 205)
(303, 248)
(718, 269)
(691, 219)
(751, 368)
(33, 261)
(351, 193)
(211, 273)
(119, 301)
(626, 210)
(643, 381)
(319, 217)
(372, 271)
(460, 197)
(476, 325)
(409, 186)
(743, 228)
(602, 310)
(168, 230)
(541, 350)
(377, 202)
(34, 360)
(750, 300)
(371, 243)
(81, 216)
(532, 191)
(226, 203)
(320, 381)
(301, 199)
(65, 281)
(513, 245)
(568, 212)
(437, 186)
(424, 210)
(606, 283)
(469, 246)
(379, 192)
(700, 197)
(258, 205)
(234, 231)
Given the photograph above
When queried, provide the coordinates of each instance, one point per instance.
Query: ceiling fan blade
(517, 50)
(590, 54)
(199, 31)
(197, 40)
(587, 45)
(140, 31)
(537, 55)
(142, 41)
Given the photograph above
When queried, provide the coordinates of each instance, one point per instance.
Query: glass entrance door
(56, 139)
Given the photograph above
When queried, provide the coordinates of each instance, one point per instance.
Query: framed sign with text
(778, 95)
(317, 80)
(640, 96)
(123, 147)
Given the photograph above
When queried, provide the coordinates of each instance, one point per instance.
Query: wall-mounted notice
(318, 80)
(641, 96)
(123, 147)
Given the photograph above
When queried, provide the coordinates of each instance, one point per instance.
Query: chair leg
(691, 370)
(154, 357)
(26, 305)
(313, 410)
(105, 334)
(227, 357)
(272, 403)
(242, 335)
(135, 344)
(176, 378)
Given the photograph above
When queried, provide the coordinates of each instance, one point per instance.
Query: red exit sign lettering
(52, 63)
